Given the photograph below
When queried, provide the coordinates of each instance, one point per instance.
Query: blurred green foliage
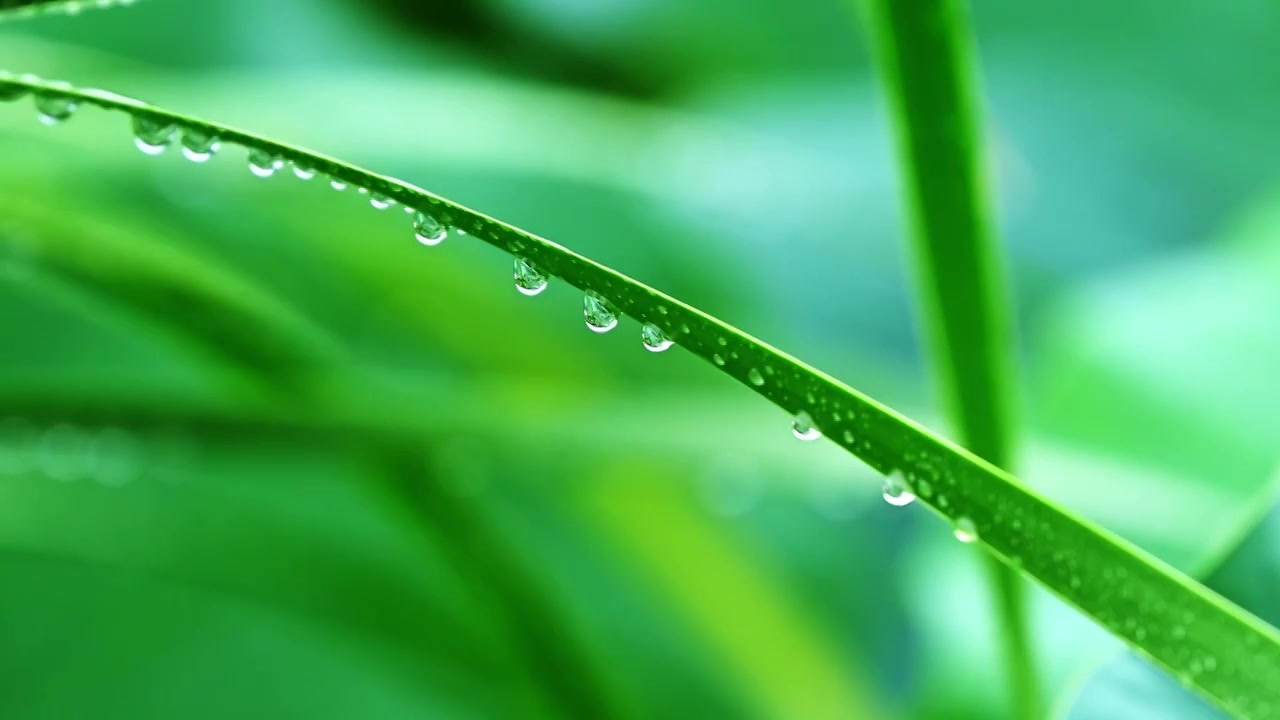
(519, 518)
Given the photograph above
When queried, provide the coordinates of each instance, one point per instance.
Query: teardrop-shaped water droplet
(802, 427)
(152, 135)
(198, 146)
(54, 109)
(654, 339)
(428, 230)
(380, 202)
(599, 315)
(895, 490)
(528, 280)
(337, 184)
(965, 530)
(264, 164)
(755, 377)
(718, 359)
(302, 172)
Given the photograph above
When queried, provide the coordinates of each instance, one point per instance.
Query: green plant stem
(925, 56)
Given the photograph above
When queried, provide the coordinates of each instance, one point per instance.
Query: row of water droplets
(895, 489)
(153, 135)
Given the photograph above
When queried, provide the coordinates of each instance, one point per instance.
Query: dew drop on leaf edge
(599, 316)
(802, 427)
(895, 491)
(427, 229)
(965, 530)
(654, 339)
(152, 136)
(54, 109)
(263, 164)
(528, 280)
(198, 146)
(380, 202)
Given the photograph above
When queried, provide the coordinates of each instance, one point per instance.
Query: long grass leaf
(1159, 611)
(925, 58)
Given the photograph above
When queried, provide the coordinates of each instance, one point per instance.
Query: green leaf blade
(1131, 593)
(925, 56)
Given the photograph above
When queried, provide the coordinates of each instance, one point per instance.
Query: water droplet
(380, 202)
(717, 359)
(302, 172)
(152, 135)
(528, 280)
(924, 488)
(895, 490)
(54, 109)
(428, 230)
(802, 427)
(362, 190)
(653, 338)
(965, 530)
(198, 146)
(755, 377)
(599, 315)
(264, 164)
(337, 184)
(847, 436)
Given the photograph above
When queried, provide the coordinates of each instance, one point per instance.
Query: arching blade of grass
(926, 60)
(1159, 611)
(19, 9)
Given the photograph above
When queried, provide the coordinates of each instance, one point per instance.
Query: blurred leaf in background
(262, 455)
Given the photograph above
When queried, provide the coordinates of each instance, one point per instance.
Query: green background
(511, 516)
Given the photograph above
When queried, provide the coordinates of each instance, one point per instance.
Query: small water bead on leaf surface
(965, 530)
(755, 377)
(380, 202)
(198, 146)
(302, 172)
(54, 109)
(428, 230)
(337, 184)
(528, 280)
(152, 135)
(263, 164)
(895, 490)
(718, 359)
(802, 427)
(653, 338)
(600, 317)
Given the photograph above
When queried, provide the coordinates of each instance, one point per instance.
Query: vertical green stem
(925, 54)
